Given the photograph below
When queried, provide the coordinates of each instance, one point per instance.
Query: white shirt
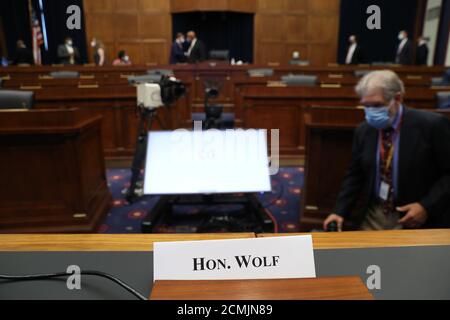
(69, 49)
(191, 46)
(351, 52)
(402, 44)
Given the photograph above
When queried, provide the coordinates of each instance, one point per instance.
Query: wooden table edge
(101, 242)
(139, 242)
(375, 239)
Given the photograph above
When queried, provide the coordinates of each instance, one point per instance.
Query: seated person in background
(354, 53)
(422, 52)
(23, 54)
(196, 52)
(400, 162)
(122, 59)
(67, 53)
(177, 53)
(295, 58)
(99, 52)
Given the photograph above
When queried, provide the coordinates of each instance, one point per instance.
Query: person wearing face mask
(404, 54)
(196, 51)
(122, 59)
(177, 53)
(99, 52)
(67, 53)
(422, 52)
(400, 165)
(354, 53)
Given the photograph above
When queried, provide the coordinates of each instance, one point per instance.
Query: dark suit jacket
(198, 53)
(422, 55)
(23, 56)
(357, 57)
(63, 54)
(424, 168)
(405, 56)
(177, 54)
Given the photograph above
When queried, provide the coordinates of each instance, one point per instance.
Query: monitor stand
(252, 209)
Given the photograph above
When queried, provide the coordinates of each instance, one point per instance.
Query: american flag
(37, 38)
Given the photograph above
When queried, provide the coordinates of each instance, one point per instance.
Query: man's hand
(334, 218)
(415, 217)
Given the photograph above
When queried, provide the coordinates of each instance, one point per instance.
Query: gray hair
(386, 80)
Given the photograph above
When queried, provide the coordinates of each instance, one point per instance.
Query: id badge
(384, 191)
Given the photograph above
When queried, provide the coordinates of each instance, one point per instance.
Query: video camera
(151, 95)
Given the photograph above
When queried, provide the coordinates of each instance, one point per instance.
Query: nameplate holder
(330, 85)
(239, 259)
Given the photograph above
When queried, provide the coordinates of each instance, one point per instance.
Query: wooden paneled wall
(308, 26)
(144, 27)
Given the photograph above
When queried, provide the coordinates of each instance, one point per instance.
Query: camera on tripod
(151, 95)
(213, 113)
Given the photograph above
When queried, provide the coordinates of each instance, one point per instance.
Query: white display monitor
(207, 162)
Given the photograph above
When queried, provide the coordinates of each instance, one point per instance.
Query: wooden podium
(52, 172)
(333, 288)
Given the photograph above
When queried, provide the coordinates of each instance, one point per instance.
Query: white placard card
(240, 259)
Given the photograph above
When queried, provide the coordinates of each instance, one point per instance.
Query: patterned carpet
(283, 204)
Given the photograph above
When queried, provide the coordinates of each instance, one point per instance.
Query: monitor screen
(207, 162)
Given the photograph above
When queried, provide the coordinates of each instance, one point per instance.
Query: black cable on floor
(65, 274)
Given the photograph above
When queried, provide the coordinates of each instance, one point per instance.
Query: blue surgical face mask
(378, 117)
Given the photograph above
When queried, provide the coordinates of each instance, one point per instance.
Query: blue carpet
(283, 203)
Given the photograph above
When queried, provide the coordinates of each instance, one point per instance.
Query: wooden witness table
(333, 288)
(321, 288)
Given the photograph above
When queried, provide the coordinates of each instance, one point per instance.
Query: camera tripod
(147, 116)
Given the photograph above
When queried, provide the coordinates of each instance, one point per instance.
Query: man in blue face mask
(400, 162)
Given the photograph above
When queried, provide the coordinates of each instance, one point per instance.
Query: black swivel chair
(65, 74)
(148, 78)
(160, 72)
(13, 99)
(361, 73)
(263, 72)
(220, 55)
(299, 80)
(443, 100)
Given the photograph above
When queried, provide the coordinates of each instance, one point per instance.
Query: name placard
(238, 259)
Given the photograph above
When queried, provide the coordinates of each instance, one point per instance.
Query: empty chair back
(299, 63)
(443, 100)
(160, 72)
(299, 80)
(149, 78)
(437, 81)
(65, 74)
(223, 55)
(15, 99)
(361, 73)
(262, 72)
